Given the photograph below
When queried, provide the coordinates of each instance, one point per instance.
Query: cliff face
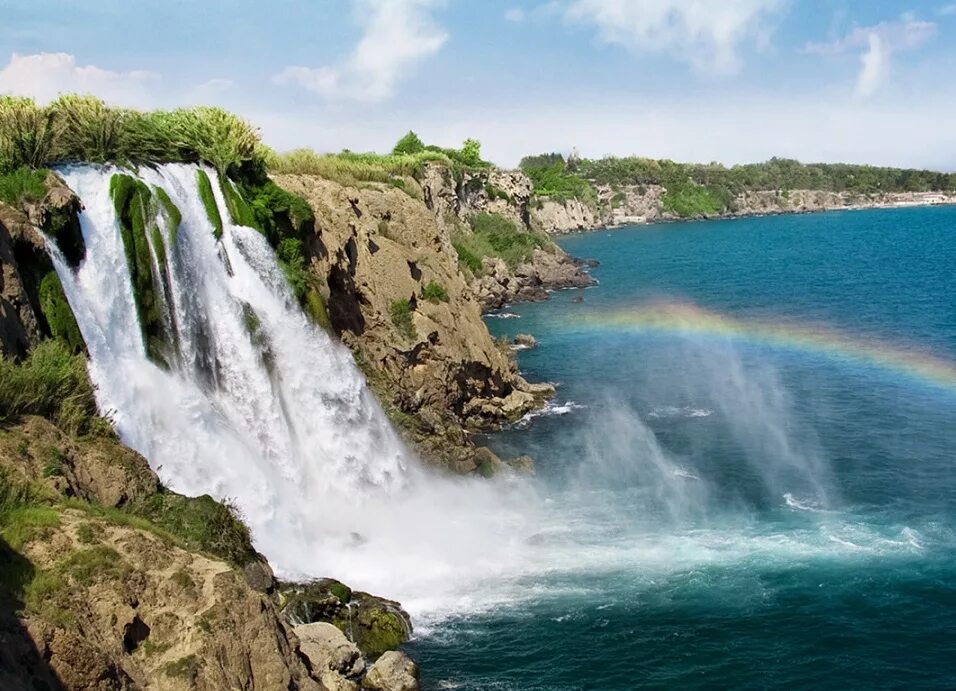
(390, 278)
(636, 204)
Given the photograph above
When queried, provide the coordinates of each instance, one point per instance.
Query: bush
(401, 313)
(81, 128)
(435, 292)
(52, 383)
(496, 236)
(409, 144)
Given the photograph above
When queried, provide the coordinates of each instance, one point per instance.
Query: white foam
(666, 412)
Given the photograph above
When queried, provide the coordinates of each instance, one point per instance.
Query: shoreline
(882, 206)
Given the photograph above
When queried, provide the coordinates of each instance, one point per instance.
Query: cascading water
(262, 408)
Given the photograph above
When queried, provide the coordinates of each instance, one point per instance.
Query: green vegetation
(199, 524)
(136, 209)
(174, 217)
(495, 236)
(409, 144)
(22, 185)
(407, 159)
(59, 316)
(435, 292)
(775, 174)
(352, 169)
(209, 202)
(707, 189)
(184, 668)
(553, 177)
(401, 314)
(51, 382)
(79, 128)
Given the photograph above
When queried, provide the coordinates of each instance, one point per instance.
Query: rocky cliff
(397, 295)
(637, 204)
(112, 582)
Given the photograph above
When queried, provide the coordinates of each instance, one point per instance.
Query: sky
(866, 81)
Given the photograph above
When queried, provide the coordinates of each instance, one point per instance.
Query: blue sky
(730, 80)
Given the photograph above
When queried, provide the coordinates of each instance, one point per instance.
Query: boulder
(394, 671)
(328, 649)
(525, 340)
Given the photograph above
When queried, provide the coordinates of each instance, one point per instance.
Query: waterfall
(258, 406)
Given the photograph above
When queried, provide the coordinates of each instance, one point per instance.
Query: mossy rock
(62, 223)
(209, 202)
(137, 211)
(377, 625)
(58, 314)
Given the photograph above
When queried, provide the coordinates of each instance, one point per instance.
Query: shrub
(496, 236)
(82, 128)
(28, 134)
(401, 313)
(435, 292)
(52, 383)
(409, 144)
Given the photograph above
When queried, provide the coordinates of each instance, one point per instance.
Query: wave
(669, 411)
(550, 409)
(804, 505)
(503, 315)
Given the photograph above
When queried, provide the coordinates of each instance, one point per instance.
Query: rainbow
(683, 319)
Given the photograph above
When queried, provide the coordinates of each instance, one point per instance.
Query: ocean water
(749, 469)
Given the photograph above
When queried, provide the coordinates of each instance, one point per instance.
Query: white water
(328, 489)
(306, 453)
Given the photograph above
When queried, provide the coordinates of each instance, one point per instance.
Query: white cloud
(398, 34)
(515, 14)
(877, 45)
(44, 76)
(706, 33)
(946, 10)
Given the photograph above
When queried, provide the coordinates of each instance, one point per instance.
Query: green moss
(86, 534)
(183, 580)
(184, 668)
(88, 565)
(134, 204)
(401, 314)
(209, 202)
(376, 630)
(240, 212)
(435, 292)
(58, 314)
(315, 307)
(174, 217)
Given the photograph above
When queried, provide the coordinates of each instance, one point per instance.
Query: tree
(409, 144)
(471, 152)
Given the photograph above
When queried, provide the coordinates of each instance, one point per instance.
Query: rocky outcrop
(98, 596)
(553, 216)
(21, 248)
(637, 204)
(394, 292)
(394, 671)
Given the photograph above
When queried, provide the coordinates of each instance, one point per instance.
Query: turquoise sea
(754, 443)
